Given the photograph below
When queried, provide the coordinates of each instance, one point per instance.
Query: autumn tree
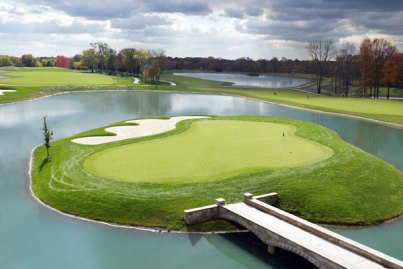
(390, 74)
(62, 61)
(374, 54)
(321, 52)
(154, 72)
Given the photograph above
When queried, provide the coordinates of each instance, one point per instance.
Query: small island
(149, 179)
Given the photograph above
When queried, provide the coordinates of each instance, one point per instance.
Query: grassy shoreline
(384, 111)
(342, 190)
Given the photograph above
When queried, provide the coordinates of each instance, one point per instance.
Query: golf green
(209, 150)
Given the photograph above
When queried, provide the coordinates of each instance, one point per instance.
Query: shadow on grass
(44, 162)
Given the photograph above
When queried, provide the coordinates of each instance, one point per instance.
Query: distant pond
(243, 80)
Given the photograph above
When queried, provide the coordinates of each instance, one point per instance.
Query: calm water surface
(241, 80)
(34, 237)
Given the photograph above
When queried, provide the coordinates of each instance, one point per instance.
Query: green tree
(47, 136)
(89, 59)
(28, 60)
(5, 61)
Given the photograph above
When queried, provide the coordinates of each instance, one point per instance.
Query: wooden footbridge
(279, 229)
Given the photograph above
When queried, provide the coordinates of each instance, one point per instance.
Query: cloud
(140, 21)
(220, 28)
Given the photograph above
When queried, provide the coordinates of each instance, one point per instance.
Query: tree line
(376, 63)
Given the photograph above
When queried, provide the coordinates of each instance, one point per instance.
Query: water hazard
(34, 237)
(242, 80)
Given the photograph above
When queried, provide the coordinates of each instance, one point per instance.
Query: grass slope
(351, 187)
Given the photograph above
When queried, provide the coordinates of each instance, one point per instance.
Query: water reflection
(241, 80)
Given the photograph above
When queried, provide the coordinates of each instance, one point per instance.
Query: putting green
(209, 150)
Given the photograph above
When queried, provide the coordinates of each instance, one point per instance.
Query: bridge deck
(307, 240)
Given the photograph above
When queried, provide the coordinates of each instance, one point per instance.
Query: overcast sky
(227, 29)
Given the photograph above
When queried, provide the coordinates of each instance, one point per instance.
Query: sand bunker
(144, 128)
(3, 91)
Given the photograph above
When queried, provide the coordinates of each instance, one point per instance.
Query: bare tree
(344, 60)
(321, 52)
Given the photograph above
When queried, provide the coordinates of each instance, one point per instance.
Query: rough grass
(351, 187)
(209, 150)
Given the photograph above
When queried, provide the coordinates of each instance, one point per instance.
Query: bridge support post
(271, 249)
(220, 201)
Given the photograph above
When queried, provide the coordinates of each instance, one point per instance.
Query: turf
(351, 187)
(209, 150)
(56, 76)
(35, 82)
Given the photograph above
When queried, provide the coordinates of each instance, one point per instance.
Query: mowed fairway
(55, 76)
(209, 150)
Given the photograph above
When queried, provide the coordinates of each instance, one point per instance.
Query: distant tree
(161, 57)
(47, 136)
(110, 62)
(75, 62)
(62, 61)
(344, 60)
(154, 72)
(28, 60)
(102, 50)
(321, 52)
(127, 60)
(89, 59)
(142, 60)
(365, 66)
(373, 56)
(5, 61)
(390, 74)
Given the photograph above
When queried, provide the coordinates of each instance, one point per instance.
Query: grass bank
(351, 187)
(31, 83)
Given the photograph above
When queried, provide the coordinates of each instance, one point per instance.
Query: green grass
(351, 187)
(209, 150)
(35, 82)
(56, 76)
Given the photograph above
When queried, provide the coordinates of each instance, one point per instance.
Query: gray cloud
(140, 22)
(256, 28)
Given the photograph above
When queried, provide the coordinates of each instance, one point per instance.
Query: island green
(342, 184)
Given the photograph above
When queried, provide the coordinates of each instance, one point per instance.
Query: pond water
(34, 237)
(242, 80)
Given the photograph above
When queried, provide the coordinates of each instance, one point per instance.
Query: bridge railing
(323, 233)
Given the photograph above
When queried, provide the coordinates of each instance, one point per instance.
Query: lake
(242, 80)
(32, 236)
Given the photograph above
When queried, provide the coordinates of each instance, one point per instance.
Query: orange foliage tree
(62, 61)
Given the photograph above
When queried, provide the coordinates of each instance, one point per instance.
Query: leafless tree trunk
(320, 52)
(345, 59)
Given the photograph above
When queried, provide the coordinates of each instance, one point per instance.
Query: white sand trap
(3, 91)
(144, 128)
